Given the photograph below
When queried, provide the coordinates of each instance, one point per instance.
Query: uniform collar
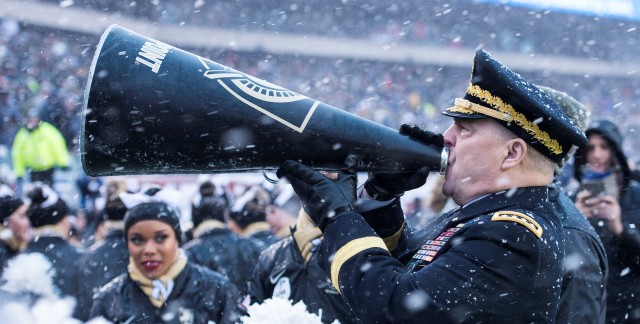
(501, 200)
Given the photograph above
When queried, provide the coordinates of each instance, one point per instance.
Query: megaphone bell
(151, 108)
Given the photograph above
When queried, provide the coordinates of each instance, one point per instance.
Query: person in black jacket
(289, 269)
(48, 214)
(214, 245)
(14, 226)
(611, 202)
(497, 258)
(583, 297)
(161, 285)
(248, 217)
(108, 258)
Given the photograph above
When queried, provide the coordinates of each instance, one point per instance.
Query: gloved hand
(321, 197)
(385, 186)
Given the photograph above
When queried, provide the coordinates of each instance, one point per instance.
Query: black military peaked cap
(496, 91)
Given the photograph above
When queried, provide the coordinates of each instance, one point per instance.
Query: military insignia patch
(520, 218)
(431, 248)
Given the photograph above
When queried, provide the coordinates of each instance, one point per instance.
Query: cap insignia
(519, 118)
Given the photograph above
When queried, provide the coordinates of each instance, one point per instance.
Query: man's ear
(516, 152)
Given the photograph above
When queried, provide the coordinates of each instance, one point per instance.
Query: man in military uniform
(497, 258)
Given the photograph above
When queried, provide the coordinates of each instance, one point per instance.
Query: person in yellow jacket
(39, 148)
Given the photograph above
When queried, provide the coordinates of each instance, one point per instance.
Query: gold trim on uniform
(467, 107)
(519, 218)
(349, 250)
(392, 241)
(519, 118)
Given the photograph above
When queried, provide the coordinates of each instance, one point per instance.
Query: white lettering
(151, 54)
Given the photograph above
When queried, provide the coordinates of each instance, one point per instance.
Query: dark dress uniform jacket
(282, 272)
(67, 262)
(583, 298)
(474, 264)
(225, 252)
(199, 295)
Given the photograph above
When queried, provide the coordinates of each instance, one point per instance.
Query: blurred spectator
(107, 258)
(248, 217)
(38, 148)
(289, 269)
(610, 201)
(49, 216)
(9, 118)
(14, 226)
(283, 211)
(89, 188)
(583, 298)
(215, 246)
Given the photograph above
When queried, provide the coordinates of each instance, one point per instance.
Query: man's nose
(448, 138)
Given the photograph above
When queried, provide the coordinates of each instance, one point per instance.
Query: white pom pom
(280, 310)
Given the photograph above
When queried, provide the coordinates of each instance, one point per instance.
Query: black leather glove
(321, 197)
(385, 186)
(422, 135)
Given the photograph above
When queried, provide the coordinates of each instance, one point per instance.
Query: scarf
(110, 225)
(307, 240)
(256, 227)
(307, 236)
(50, 231)
(158, 290)
(6, 236)
(205, 226)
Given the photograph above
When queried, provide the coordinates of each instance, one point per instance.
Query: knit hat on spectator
(114, 208)
(8, 203)
(46, 208)
(206, 205)
(250, 207)
(162, 206)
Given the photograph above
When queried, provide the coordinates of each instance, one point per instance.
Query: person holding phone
(611, 202)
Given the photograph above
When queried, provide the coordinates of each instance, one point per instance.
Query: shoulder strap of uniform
(520, 218)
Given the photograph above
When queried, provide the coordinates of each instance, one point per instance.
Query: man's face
(599, 153)
(475, 154)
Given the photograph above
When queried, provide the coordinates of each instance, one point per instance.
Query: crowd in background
(454, 23)
(385, 92)
(44, 71)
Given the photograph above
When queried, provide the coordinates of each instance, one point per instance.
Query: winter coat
(496, 260)
(199, 296)
(583, 297)
(225, 252)
(623, 253)
(40, 149)
(104, 261)
(67, 262)
(263, 239)
(282, 272)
